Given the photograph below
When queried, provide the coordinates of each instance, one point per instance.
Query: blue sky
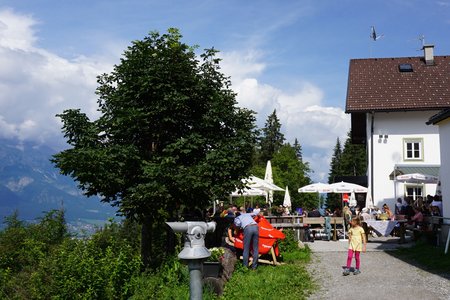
(291, 56)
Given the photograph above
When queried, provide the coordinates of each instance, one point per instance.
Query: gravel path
(383, 277)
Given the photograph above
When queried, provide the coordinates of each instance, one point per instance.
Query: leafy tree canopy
(169, 133)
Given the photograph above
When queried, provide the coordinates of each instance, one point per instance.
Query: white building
(390, 100)
(442, 120)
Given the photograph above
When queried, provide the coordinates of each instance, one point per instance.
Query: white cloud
(16, 30)
(301, 112)
(35, 84)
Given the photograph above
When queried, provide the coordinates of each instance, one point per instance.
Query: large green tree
(290, 171)
(353, 159)
(347, 161)
(334, 200)
(169, 134)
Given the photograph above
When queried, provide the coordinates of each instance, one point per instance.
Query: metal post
(195, 279)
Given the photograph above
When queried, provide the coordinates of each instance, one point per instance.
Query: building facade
(390, 100)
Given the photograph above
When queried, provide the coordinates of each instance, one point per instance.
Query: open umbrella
(418, 178)
(347, 188)
(258, 183)
(287, 199)
(316, 188)
(248, 192)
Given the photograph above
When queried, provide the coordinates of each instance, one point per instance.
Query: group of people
(244, 219)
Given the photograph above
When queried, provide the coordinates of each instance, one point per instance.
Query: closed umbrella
(287, 199)
(369, 201)
(269, 178)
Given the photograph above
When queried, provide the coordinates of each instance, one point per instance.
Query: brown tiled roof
(376, 84)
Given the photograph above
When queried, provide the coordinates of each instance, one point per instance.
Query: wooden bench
(300, 224)
(334, 222)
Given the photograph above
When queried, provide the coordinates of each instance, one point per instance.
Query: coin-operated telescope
(194, 251)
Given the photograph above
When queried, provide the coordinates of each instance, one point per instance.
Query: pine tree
(335, 168)
(298, 149)
(272, 139)
(353, 158)
(334, 200)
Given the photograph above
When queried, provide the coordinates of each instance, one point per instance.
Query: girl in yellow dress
(356, 244)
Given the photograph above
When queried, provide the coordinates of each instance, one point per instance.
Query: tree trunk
(146, 241)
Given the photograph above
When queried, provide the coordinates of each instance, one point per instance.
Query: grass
(288, 281)
(429, 257)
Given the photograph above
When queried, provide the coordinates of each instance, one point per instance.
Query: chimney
(428, 54)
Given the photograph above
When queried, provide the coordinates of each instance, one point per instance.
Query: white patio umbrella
(258, 183)
(287, 198)
(418, 178)
(248, 192)
(347, 188)
(316, 188)
(369, 201)
(319, 188)
(269, 178)
(352, 202)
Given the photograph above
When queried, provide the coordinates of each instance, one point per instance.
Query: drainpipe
(371, 155)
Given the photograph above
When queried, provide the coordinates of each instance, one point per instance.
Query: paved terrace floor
(383, 276)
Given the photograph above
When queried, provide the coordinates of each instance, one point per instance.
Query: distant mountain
(30, 184)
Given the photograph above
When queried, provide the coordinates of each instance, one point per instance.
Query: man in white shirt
(251, 237)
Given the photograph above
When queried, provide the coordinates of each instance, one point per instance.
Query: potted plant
(212, 267)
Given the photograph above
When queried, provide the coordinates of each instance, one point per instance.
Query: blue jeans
(251, 238)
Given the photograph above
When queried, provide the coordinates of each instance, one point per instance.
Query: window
(414, 191)
(413, 149)
(405, 68)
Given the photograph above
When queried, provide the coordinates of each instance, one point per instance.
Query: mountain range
(31, 185)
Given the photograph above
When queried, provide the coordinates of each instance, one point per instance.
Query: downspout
(371, 155)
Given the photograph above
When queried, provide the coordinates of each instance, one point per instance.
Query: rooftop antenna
(421, 38)
(374, 37)
(373, 34)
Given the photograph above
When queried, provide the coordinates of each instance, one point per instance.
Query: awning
(401, 170)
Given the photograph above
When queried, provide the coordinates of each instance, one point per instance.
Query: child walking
(356, 244)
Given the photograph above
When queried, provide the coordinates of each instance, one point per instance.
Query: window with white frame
(413, 149)
(414, 191)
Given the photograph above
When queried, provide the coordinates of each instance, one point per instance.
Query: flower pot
(212, 269)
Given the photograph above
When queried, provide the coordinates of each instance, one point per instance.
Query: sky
(289, 56)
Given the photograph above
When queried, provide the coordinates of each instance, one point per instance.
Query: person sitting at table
(398, 206)
(435, 211)
(376, 212)
(388, 211)
(347, 217)
(437, 201)
(417, 219)
(337, 212)
(365, 216)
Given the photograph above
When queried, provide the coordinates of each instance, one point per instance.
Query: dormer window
(405, 68)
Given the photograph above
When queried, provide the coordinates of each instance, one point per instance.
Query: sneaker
(357, 271)
(346, 272)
